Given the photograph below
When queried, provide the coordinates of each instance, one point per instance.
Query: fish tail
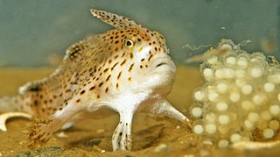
(9, 103)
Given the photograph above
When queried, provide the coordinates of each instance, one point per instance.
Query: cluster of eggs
(240, 99)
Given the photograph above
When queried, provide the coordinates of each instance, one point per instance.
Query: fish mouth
(162, 75)
(164, 64)
(160, 64)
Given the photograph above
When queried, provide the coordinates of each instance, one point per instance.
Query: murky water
(37, 29)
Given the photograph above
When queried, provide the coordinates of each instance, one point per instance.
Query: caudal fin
(9, 104)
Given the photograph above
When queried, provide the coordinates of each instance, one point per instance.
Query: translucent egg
(228, 73)
(256, 72)
(219, 74)
(242, 62)
(247, 89)
(259, 98)
(240, 73)
(197, 111)
(266, 115)
(253, 117)
(222, 87)
(248, 124)
(275, 110)
(269, 87)
(223, 143)
(258, 58)
(208, 73)
(275, 78)
(268, 133)
(240, 83)
(222, 106)
(198, 95)
(198, 129)
(235, 138)
(247, 105)
(210, 117)
(274, 125)
(231, 60)
(207, 142)
(226, 47)
(224, 129)
(212, 60)
(210, 128)
(213, 96)
(224, 119)
(234, 96)
(262, 124)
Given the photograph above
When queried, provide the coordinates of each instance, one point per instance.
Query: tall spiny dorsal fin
(113, 19)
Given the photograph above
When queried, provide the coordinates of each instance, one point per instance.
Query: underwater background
(33, 31)
(34, 35)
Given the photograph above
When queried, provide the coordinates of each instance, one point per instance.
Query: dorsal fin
(113, 19)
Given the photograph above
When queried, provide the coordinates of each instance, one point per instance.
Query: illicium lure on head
(122, 69)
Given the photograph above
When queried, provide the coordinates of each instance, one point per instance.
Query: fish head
(144, 48)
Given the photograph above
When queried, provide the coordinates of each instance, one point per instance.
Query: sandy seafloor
(154, 136)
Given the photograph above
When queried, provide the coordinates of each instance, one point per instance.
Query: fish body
(122, 69)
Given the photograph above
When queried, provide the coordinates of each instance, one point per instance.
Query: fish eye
(128, 43)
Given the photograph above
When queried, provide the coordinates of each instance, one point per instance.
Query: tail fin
(9, 104)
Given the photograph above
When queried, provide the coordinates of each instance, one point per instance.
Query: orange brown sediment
(156, 136)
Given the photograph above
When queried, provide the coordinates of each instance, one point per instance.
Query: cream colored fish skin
(124, 69)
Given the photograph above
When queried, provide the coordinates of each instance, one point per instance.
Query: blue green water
(31, 30)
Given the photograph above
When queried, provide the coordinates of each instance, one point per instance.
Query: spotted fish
(122, 69)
